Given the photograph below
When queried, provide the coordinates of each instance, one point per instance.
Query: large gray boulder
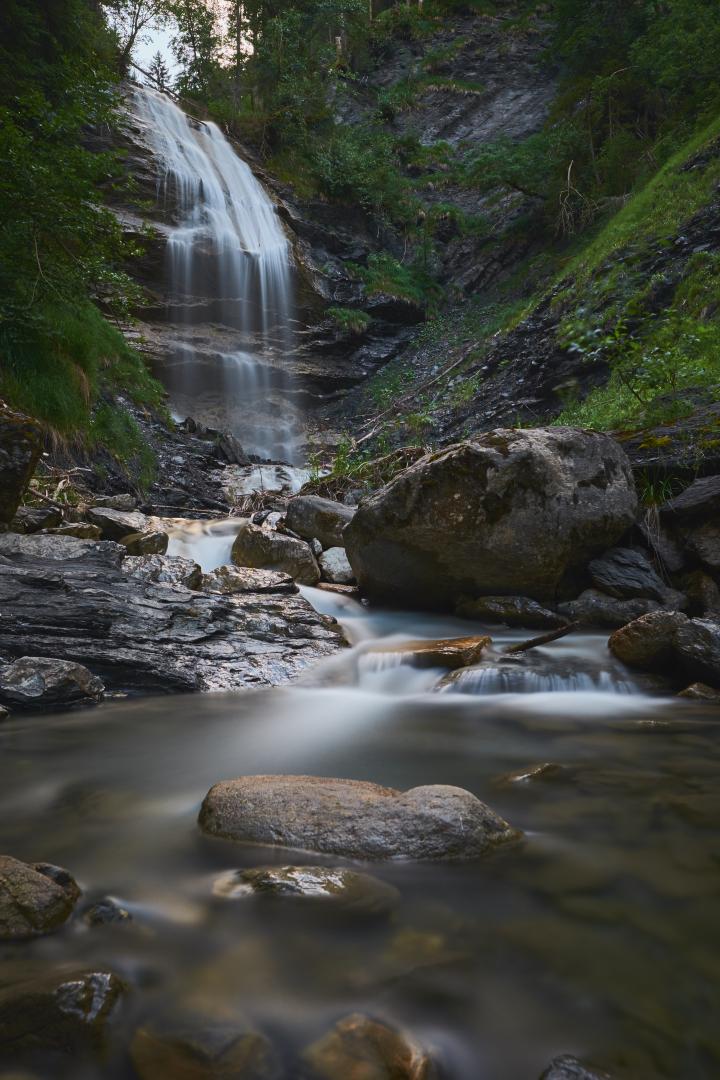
(34, 900)
(116, 524)
(353, 818)
(20, 446)
(267, 550)
(311, 516)
(509, 511)
(42, 682)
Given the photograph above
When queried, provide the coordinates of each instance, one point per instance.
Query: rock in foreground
(446, 652)
(192, 1047)
(567, 1067)
(34, 900)
(511, 511)
(353, 818)
(359, 1048)
(67, 1014)
(41, 682)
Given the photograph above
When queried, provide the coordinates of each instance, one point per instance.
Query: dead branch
(544, 639)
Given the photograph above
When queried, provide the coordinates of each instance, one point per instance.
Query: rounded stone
(361, 1048)
(34, 900)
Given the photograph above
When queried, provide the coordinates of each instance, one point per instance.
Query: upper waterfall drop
(229, 283)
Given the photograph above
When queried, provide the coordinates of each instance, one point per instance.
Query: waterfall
(229, 283)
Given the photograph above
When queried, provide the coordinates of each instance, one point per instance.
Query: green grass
(349, 320)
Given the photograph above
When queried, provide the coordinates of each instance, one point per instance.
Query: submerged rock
(266, 550)
(567, 1067)
(105, 912)
(311, 516)
(230, 580)
(360, 1048)
(353, 818)
(34, 900)
(335, 568)
(701, 692)
(510, 511)
(78, 601)
(41, 682)
(66, 1013)
(188, 1046)
(445, 652)
(20, 446)
(510, 610)
(338, 887)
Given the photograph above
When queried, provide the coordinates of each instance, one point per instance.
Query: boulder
(34, 900)
(41, 548)
(510, 610)
(697, 647)
(700, 500)
(115, 524)
(648, 642)
(360, 1048)
(67, 1013)
(703, 594)
(20, 446)
(335, 568)
(230, 580)
(704, 543)
(187, 1046)
(83, 530)
(41, 682)
(508, 512)
(30, 519)
(145, 543)
(567, 1067)
(311, 516)
(353, 818)
(595, 608)
(445, 652)
(266, 550)
(169, 569)
(701, 692)
(627, 573)
(336, 887)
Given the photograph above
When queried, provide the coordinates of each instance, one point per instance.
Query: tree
(131, 20)
(196, 45)
(159, 72)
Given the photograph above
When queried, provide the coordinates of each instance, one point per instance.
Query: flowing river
(598, 935)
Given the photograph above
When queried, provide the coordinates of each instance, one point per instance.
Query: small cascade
(519, 679)
(229, 284)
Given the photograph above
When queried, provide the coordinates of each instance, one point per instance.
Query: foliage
(350, 320)
(385, 276)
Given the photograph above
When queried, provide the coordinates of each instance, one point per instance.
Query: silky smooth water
(228, 266)
(598, 935)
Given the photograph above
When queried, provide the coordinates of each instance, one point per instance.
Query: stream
(597, 936)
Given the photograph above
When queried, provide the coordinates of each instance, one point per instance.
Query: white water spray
(229, 282)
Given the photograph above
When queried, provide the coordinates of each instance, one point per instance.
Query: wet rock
(511, 511)
(42, 548)
(665, 548)
(701, 692)
(41, 682)
(353, 818)
(627, 573)
(448, 652)
(510, 610)
(230, 580)
(697, 646)
(567, 1067)
(698, 501)
(20, 446)
(68, 1013)
(312, 516)
(145, 543)
(116, 524)
(704, 544)
(4, 713)
(316, 547)
(168, 569)
(648, 642)
(34, 900)
(30, 519)
(350, 890)
(548, 771)
(703, 594)
(256, 547)
(137, 634)
(106, 911)
(341, 590)
(360, 1048)
(83, 530)
(186, 1046)
(126, 502)
(335, 568)
(595, 608)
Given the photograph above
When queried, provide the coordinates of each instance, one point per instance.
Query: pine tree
(159, 72)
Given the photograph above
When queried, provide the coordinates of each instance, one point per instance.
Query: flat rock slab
(353, 818)
(445, 652)
(75, 600)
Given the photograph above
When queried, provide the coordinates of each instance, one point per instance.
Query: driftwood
(533, 643)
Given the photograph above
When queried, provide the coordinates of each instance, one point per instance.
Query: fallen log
(543, 639)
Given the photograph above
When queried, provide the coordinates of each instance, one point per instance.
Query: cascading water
(229, 283)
